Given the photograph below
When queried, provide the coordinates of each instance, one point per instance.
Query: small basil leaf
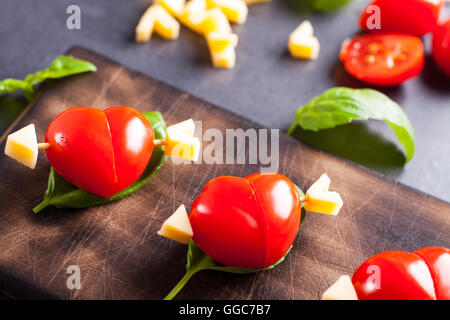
(11, 85)
(62, 66)
(197, 260)
(316, 5)
(303, 214)
(62, 194)
(327, 5)
(338, 106)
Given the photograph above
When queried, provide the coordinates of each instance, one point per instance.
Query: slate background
(267, 85)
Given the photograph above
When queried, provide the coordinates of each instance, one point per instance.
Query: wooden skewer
(43, 145)
(46, 145)
(159, 143)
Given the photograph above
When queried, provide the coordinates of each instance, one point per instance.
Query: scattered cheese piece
(306, 48)
(218, 41)
(304, 30)
(225, 58)
(144, 29)
(166, 25)
(157, 19)
(187, 127)
(319, 199)
(215, 21)
(177, 227)
(192, 15)
(248, 2)
(174, 7)
(341, 290)
(181, 143)
(235, 10)
(302, 43)
(22, 146)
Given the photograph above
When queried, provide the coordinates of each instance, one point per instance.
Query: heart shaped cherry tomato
(397, 275)
(246, 222)
(101, 152)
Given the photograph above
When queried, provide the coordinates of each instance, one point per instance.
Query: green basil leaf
(62, 66)
(316, 5)
(338, 106)
(11, 85)
(62, 194)
(197, 261)
(327, 5)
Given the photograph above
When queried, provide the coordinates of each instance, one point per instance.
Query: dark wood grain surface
(116, 245)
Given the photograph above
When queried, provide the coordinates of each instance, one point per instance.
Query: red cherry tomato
(441, 47)
(101, 152)
(246, 222)
(416, 17)
(397, 275)
(438, 260)
(384, 59)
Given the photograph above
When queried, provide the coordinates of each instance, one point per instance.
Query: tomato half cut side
(383, 59)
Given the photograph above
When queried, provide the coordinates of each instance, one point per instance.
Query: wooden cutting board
(116, 246)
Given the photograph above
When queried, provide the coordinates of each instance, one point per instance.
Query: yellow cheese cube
(225, 58)
(165, 25)
(235, 10)
(177, 227)
(187, 127)
(319, 199)
(342, 289)
(215, 21)
(193, 14)
(218, 41)
(302, 43)
(304, 30)
(144, 29)
(248, 2)
(181, 143)
(174, 7)
(22, 146)
(157, 19)
(306, 48)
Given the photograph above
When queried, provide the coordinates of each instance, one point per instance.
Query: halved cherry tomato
(441, 47)
(416, 17)
(101, 152)
(246, 222)
(384, 59)
(397, 275)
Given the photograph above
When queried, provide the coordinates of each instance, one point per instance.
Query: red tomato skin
(416, 17)
(93, 154)
(81, 149)
(403, 276)
(242, 222)
(280, 202)
(354, 51)
(132, 139)
(441, 47)
(438, 261)
(227, 223)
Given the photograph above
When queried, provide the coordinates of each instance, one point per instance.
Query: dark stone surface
(267, 85)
